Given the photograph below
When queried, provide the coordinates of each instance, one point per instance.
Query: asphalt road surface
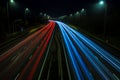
(58, 52)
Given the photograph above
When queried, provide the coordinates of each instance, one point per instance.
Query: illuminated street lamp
(82, 10)
(45, 14)
(26, 9)
(102, 3)
(77, 13)
(9, 2)
(26, 12)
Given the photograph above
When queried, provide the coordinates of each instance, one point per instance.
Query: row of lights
(13, 2)
(27, 9)
(83, 10)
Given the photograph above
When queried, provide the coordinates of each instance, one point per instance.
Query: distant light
(48, 17)
(82, 10)
(101, 2)
(27, 9)
(71, 15)
(45, 14)
(12, 1)
(41, 13)
(77, 13)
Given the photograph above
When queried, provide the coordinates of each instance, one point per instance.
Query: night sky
(57, 8)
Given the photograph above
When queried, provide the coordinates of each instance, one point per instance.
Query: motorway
(58, 52)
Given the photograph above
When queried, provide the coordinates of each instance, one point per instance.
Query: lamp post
(102, 3)
(26, 12)
(83, 11)
(8, 16)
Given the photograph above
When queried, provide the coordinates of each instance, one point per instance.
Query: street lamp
(102, 3)
(45, 14)
(9, 2)
(26, 12)
(83, 11)
(26, 9)
(77, 13)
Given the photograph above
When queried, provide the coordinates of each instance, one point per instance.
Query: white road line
(116, 77)
(30, 57)
(17, 76)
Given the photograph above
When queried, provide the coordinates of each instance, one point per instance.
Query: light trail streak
(48, 30)
(103, 71)
(76, 49)
(10, 52)
(114, 62)
(5, 73)
(71, 50)
(39, 77)
(84, 44)
(30, 76)
(75, 66)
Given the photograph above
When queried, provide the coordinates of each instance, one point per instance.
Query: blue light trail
(71, 49)
(74, 41)
(75, 66)
(100, 51)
